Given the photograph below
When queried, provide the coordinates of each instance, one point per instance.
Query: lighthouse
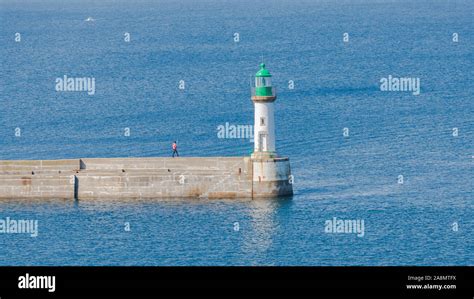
(263, 97)
(271, 174)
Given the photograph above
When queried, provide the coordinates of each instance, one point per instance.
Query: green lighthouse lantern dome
(263, 72)
(263, 83)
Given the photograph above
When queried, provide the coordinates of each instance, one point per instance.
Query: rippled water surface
(336, 87)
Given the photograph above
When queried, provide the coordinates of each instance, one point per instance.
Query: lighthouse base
(271, 177)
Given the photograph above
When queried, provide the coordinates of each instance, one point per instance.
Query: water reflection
(266, 216)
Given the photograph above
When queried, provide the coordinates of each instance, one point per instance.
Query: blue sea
(215, 47)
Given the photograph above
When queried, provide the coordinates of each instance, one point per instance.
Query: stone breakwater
(114, 178)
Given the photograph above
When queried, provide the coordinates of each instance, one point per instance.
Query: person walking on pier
(174, 146)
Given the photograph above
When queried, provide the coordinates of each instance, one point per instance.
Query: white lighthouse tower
(263, 97)
(271, 174)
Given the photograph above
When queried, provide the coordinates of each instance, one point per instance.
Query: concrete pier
(114, 178)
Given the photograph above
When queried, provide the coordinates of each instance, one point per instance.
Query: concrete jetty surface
(114, 178)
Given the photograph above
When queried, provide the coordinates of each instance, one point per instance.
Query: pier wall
(37, 178)
(165, 177)
(114, 178)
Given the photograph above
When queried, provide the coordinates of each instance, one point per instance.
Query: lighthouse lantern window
(263, 81)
